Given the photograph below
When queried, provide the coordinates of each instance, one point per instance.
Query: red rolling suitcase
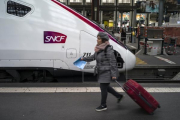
(140, 96)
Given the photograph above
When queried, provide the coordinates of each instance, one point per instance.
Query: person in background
(106, 68)
(152, 5)
(106, 27)
(123, 35)
(143, 6)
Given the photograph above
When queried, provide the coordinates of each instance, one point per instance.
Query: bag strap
(105, 50)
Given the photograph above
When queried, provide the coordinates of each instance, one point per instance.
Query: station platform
(159, 60)
(154, 60)
(77, 101)
(152, 66)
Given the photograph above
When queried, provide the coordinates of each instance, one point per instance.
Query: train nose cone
(130, 60)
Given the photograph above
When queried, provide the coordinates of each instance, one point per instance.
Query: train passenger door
(87, 44)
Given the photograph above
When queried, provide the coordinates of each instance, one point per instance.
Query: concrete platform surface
(81, 106)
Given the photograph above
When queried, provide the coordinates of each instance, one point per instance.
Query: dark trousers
(105, 88)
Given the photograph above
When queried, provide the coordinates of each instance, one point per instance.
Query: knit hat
(103, 36)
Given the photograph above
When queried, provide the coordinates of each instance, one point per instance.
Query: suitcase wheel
(159, 106)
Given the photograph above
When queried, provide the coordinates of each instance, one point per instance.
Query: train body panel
(50, 35)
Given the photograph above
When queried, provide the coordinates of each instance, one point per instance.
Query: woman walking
(106, 68)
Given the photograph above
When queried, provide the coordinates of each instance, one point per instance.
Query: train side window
(17, 9)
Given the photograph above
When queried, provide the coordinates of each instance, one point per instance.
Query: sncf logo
(54, 37)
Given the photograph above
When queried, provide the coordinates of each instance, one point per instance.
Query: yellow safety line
(139, 61)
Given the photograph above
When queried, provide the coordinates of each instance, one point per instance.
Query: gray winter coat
(106, 65)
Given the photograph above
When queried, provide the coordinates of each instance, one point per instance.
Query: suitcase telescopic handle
(120, 85)
(125, 86)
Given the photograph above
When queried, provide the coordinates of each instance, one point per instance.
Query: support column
(131, 15)
(100, 13)
(118, 17)
(67, 2)
(84, 13)
(134, 18)
(115, 14)
(130, 18)
(121, 18)
(95, 10)
(160, 20)
(114, 18)
(101, 17)
(147, 19)
(84, 3)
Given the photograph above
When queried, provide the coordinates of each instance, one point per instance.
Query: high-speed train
(45, 37)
